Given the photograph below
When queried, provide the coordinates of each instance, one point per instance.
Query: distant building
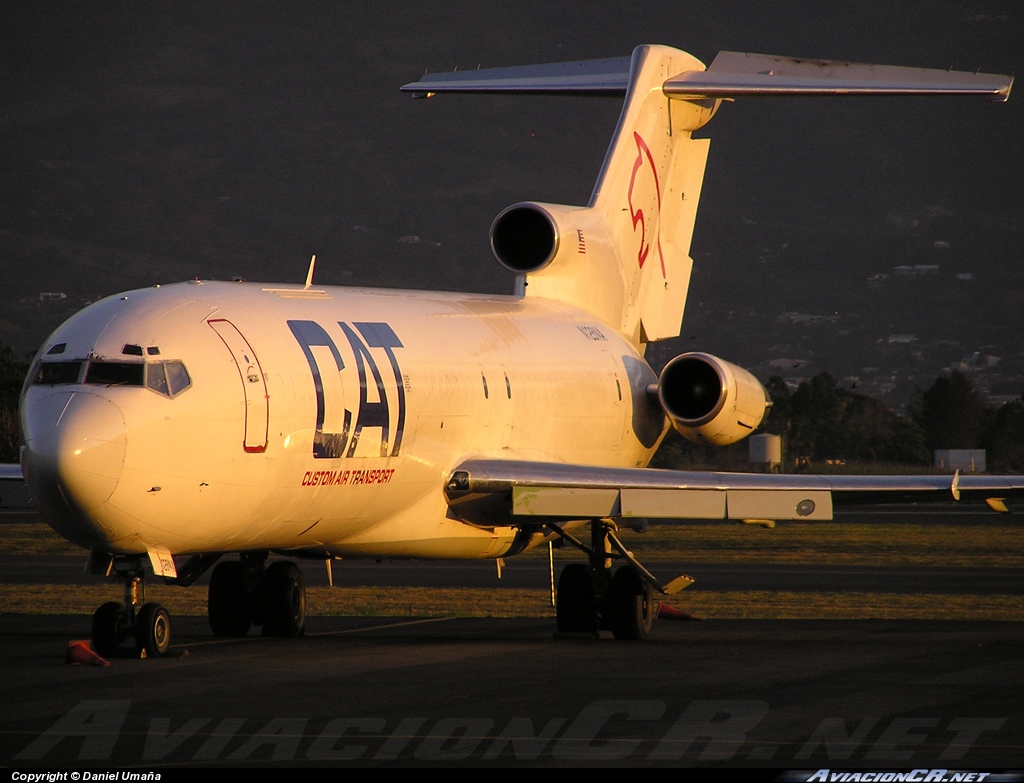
(765, 451)
(968, 460)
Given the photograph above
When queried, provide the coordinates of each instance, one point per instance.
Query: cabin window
(57, 373)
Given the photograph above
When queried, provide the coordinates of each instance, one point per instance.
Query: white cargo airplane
(204, 419)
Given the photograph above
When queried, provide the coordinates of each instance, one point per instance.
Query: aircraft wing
(527, 494)
(11, 473)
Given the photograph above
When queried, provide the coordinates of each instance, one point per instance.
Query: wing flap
(665, 503)
(570, 502)
(813, 505)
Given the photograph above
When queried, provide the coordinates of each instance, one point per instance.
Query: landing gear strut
(243, 593)
(113, 623)
(591, 599)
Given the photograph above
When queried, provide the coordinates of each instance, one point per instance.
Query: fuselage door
(254, 384)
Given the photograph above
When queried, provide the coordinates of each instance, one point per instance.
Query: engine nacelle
(711, 401)
(563, 253)
(529, 237)
(525, 238)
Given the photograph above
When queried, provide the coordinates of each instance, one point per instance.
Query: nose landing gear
(113, 623)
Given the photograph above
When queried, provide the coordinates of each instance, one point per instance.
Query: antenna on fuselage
(309, 274)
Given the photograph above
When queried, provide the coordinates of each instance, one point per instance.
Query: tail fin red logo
(644, 198)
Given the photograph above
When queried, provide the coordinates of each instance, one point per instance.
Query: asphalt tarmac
(780, 694)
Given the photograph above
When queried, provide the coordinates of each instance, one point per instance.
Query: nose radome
(75, 444)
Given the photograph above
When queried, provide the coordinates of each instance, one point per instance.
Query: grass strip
(995, 545)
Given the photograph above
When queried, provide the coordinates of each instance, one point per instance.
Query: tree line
(12, 375)
(821, 422)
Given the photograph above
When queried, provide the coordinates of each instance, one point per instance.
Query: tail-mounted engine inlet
(524, 238)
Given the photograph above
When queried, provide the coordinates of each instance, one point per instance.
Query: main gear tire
(630, 605)
(282, 596)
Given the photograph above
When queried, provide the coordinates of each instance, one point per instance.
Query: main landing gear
(243, 593)
(114, 622)
(591, 598)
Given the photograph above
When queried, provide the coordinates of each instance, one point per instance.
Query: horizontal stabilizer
(731, 75)
(598, 77)
(738, 74)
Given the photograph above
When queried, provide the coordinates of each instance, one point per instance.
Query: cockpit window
(156, 379)
(167, 378)
(177, 377)
(57, 373)
(116, 373)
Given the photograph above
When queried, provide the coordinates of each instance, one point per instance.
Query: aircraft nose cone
(74, 454)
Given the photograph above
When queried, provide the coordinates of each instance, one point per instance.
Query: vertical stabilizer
(648, 190)
(626, 256)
